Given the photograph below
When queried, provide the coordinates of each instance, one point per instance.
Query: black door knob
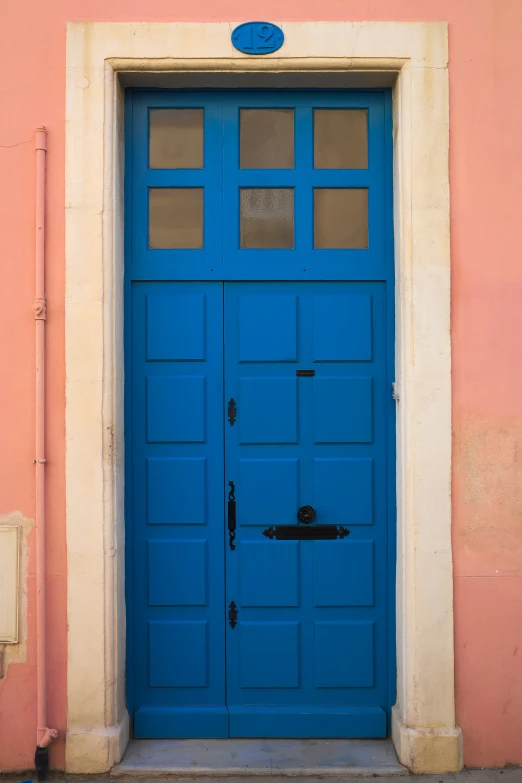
(306, 515)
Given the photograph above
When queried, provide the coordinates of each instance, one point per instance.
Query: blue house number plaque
(258, 37)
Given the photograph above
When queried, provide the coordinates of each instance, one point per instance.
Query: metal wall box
(9, 559)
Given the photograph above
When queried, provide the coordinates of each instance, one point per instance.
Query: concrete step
(258, 757)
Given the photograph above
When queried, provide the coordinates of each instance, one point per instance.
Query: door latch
(231, 515)
(313, 533)
(232, 411)
(395, 390)
(232, 614)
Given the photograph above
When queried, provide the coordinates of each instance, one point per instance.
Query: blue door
(305, 364)
(259, 417)
(175, 490)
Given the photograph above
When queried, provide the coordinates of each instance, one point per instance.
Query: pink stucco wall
(486, 172)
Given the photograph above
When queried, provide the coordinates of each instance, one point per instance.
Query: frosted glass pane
(340, 139)
(267, 217)
(267, 138)
(340, 218)
(176, 139)
(176, 218)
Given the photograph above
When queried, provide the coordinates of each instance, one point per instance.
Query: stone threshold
(258, 757)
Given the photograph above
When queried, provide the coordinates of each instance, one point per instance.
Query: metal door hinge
(232, 614)
(232, 411)
(395, 391)
(231, 515)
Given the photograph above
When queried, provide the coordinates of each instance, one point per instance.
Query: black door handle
(231, 515)
(299, 533)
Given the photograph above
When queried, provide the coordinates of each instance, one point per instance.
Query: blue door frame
(194, 340)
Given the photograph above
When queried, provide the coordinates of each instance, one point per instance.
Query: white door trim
(415, 56)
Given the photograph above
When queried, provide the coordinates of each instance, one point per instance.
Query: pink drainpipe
(44, 735)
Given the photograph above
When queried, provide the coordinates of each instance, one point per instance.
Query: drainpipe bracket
(40, 309)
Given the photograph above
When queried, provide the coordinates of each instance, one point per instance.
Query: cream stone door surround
(413, 57)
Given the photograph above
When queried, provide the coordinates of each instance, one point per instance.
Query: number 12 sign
(258, 38)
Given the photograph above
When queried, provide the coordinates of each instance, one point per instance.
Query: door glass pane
(176, 139)
(340, 218)
(176, 218)
(267, 217)
(340, 139)
(267, 138)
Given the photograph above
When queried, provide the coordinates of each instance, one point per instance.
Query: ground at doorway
(466, 776)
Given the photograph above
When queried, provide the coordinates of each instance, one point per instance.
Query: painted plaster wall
(485, 171)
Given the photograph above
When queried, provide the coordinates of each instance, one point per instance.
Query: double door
(259, 492)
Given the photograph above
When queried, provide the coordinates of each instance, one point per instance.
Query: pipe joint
(41, 138)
